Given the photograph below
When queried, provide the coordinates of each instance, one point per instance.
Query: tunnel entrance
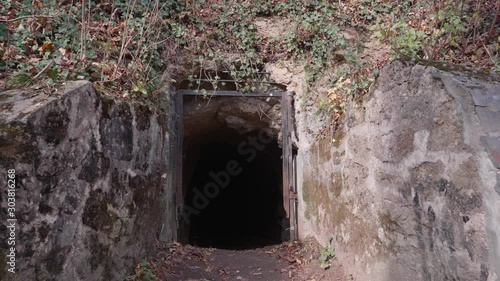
(237, 191)
(232, 174)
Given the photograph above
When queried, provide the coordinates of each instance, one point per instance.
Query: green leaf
(53, 73)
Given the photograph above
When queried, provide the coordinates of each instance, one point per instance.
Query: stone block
(492, 145)
(490, 119)
(494, 98)
(480, 97)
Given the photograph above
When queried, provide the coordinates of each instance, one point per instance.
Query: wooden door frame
(288, 163)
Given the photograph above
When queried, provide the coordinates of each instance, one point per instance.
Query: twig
(493, 25)
(489, 54)
(43, 70)
(7, 60)
(26, 17)
(107, 80)
(125, 40)
(83, 36)
(260, 116)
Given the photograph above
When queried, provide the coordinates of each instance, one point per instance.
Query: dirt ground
(292, 261)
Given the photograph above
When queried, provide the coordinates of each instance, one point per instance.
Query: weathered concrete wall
(411, 191)
(91, 178)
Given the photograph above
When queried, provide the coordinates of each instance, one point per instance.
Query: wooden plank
(290, 167)
(285, 154)
(169, 227)
(294, 231)
(289, 180)
(179, 134)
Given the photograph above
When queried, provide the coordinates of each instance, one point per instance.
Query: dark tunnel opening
(233, 191)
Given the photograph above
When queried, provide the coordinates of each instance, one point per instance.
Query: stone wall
(411, 189)
(91, 183)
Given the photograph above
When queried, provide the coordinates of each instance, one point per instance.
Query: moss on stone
(55, 260)
(107, 104)
(96, 213)
(3, 266)
(55, 126)
(143, 115)
(338, 136)
(10, 129)
(316, 196)
(43, 231)
(14, 142)
(123, 111)
(322, 148)
(390, 227)
(98, 252)
(337, 184)
(311, 191)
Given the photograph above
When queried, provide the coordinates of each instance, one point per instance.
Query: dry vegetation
(132, 48)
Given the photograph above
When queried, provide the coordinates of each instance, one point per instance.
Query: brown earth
(290, 261)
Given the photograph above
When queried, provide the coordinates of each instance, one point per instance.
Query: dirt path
(244, 265)
(285, 262)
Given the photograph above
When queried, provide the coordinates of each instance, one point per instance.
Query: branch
(43, 70)
(489, 54)
(493, 25)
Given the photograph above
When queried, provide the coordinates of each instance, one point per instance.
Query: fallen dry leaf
(46, 46)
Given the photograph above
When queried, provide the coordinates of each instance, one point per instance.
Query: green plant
(327, 253)
(144, 272)
(19, 79)
(130, 48)
(443, 30)
(118, 44)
